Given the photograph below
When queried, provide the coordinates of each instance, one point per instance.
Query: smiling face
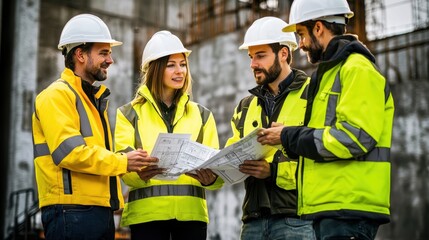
(97, 62)
(264, 63)
(175, 72)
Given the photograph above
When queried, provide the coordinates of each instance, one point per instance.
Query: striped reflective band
(62, 150)
(362, 137)
(85, 127)
(41, 149)
(130, 113)
(67, 181)
(128, 149)
(332, 102)
(205, 114)
(66, 147)
(378, 154)
(167, 190)
(69, 144)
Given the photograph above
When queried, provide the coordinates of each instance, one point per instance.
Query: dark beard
(314, 51)
(96, 73)
(273, 72)
(99, 75)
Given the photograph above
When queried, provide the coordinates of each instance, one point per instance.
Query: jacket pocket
(286, 175)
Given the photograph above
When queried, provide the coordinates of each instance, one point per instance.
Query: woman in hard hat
(165, 209)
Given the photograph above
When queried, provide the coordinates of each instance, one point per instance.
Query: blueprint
(178, 155)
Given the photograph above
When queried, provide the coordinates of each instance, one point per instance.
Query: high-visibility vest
(138, 125)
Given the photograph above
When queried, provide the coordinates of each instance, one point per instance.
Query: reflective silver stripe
(345, 140)
(318, 141)
(128, 149)
(378, 154)
(167, 190)
(85, 126)
(332, 101)
(364, 138)
(130, 114)
(205, 114)
(386, 87)
(41, 149)
(66, 147)
(67, 181)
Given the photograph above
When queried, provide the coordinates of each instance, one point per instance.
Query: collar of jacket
(144, 92)
(298, 79)
(340, 47)
(99, 92)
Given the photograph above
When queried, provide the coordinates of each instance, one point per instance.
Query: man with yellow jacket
(76, 171)
(269, 206)
(344, 145)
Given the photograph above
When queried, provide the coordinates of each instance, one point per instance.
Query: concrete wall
(404, 60)
(20, 168)
(221, 77)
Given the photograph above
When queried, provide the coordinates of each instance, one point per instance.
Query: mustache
(258, 69)
(105, 65)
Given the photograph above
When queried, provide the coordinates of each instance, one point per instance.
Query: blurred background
(396, 31)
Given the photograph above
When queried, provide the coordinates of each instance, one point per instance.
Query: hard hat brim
(113, 43)
(289, 28)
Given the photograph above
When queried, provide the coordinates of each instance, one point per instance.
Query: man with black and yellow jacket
(76, 171)
(344, 145)
(269, 207)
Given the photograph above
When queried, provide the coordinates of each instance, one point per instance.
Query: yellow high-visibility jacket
(278, 192)
(344, 168)
(138, 126)
(71, 161)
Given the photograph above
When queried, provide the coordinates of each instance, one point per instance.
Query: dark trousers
(78, 222)
(336, 229)
(169, 229)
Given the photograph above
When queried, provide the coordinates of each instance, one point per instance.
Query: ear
(318, 29)
(80, 55)
(284, 53)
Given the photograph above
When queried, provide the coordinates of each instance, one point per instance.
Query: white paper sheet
(178, 154)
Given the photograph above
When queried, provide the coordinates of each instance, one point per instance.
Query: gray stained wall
(221, 77)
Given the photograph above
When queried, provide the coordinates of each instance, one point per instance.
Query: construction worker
(76, 172)
(269, 206)
(344, 145)
(157, 208)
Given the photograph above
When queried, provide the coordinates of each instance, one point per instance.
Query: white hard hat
(161, 44)
(85, 28)
(327, 10)
(268, 30)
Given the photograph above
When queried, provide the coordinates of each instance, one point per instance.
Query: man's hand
(204, 176)
(256, 168)
(139, 159)
(271, 136)
(149, 172)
